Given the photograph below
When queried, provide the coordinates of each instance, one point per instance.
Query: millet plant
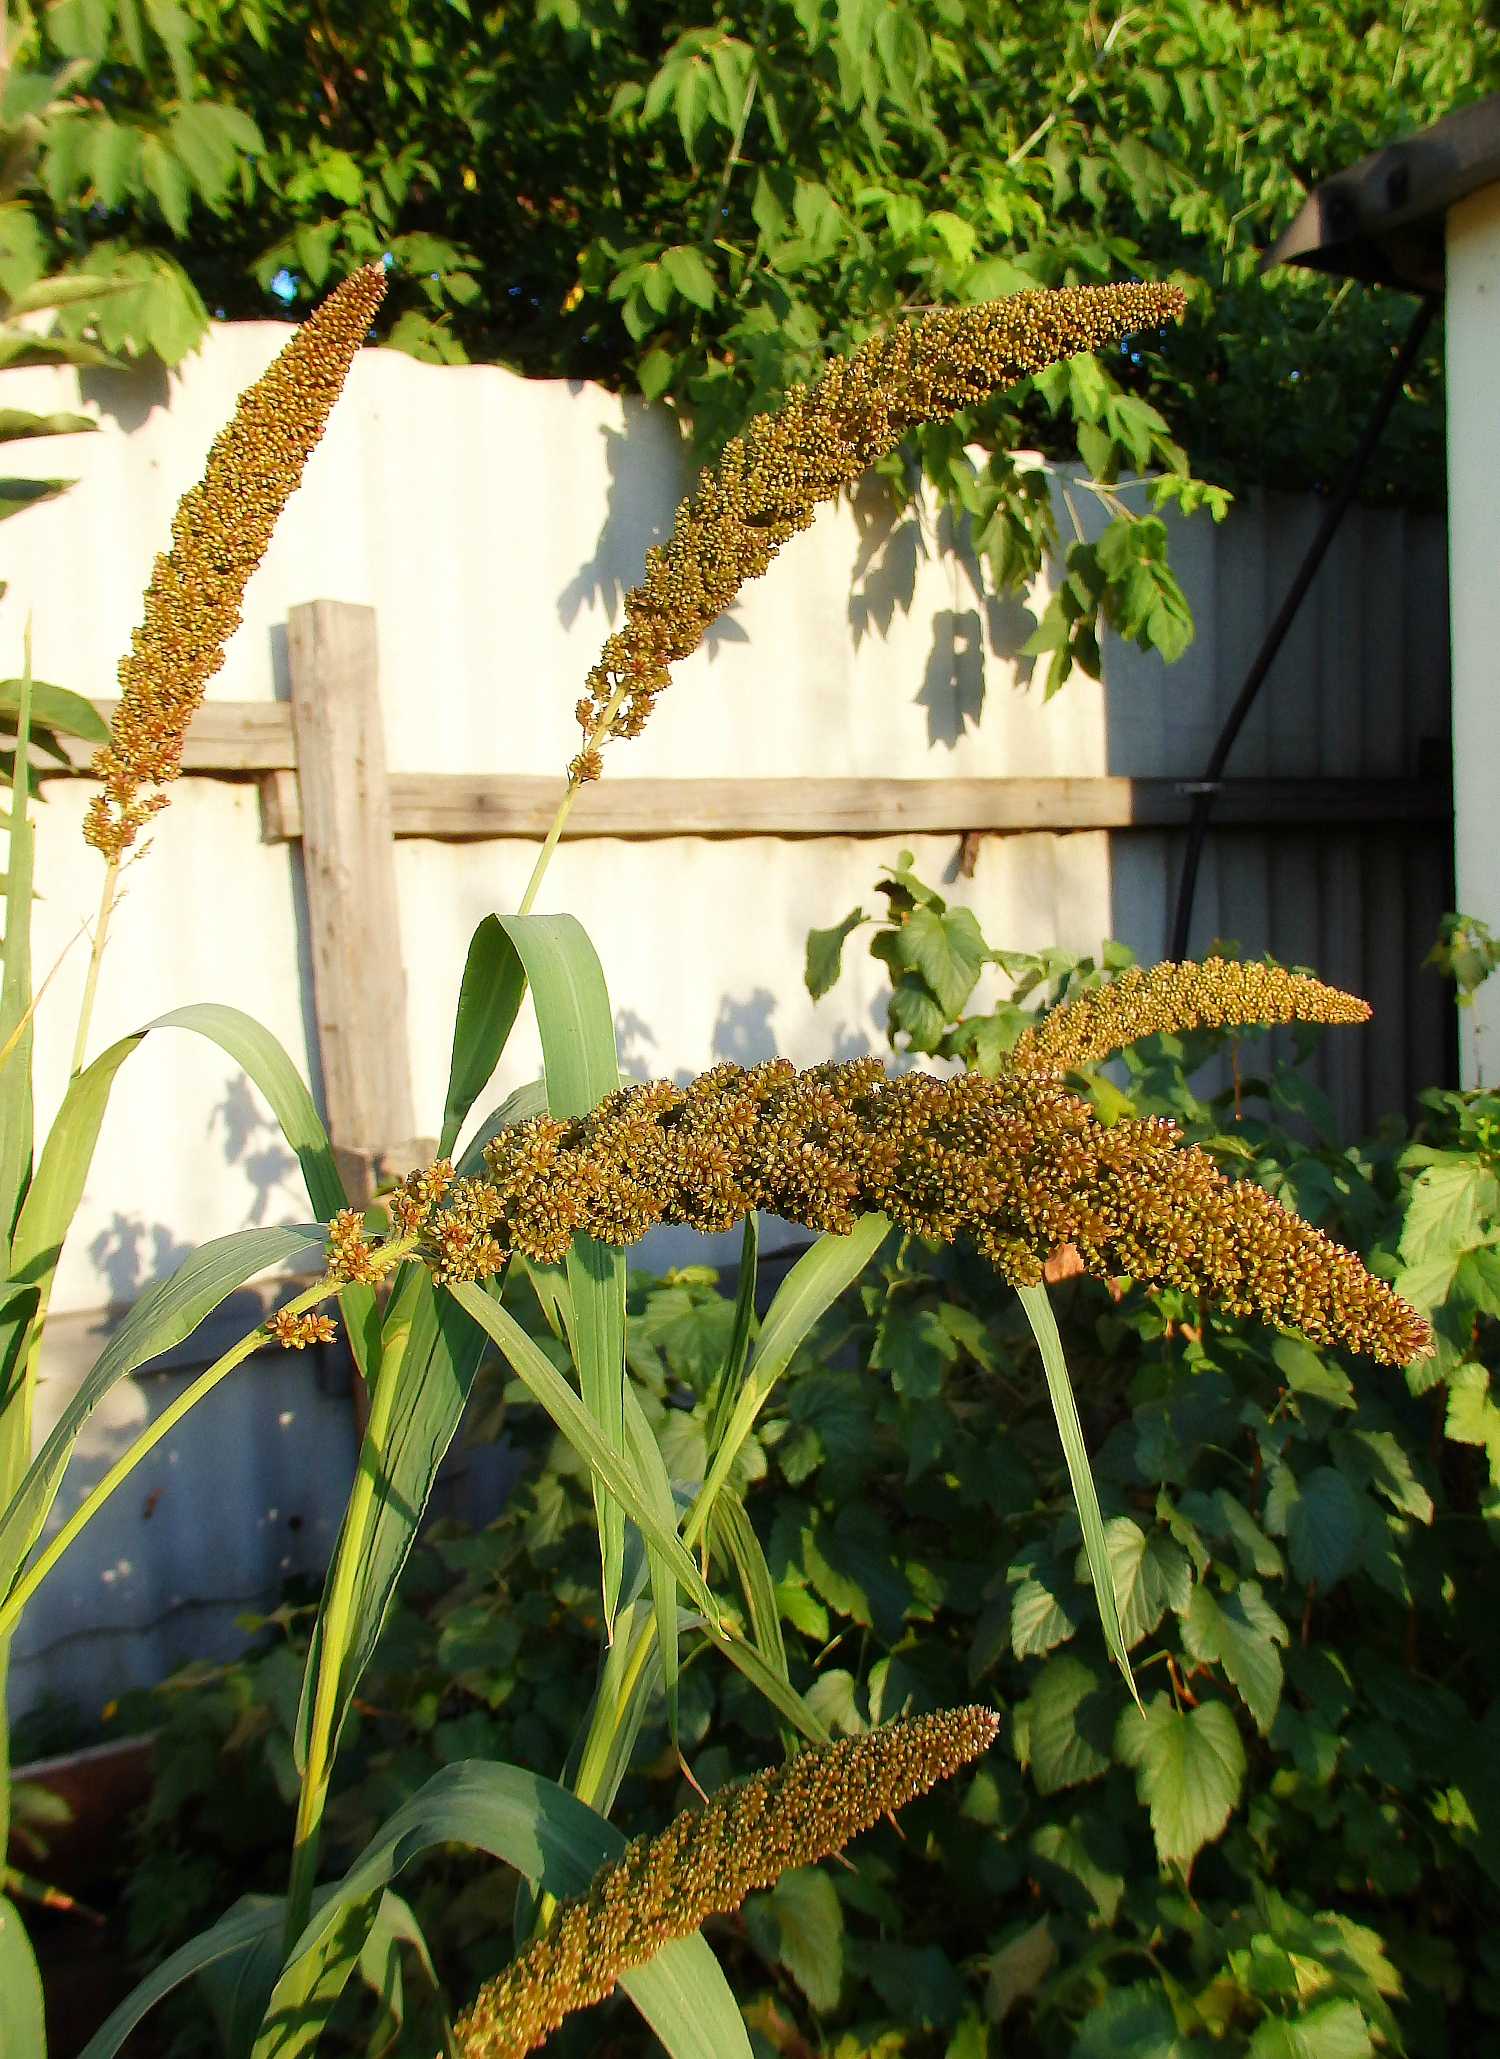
(559, 1181)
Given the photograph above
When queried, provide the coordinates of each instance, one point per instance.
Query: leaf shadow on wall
(647, 481)
(883, 582)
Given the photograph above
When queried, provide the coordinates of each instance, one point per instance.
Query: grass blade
(164, 1315)
(645, 1454)
(578, 1050)
(1044, 1328)
(814, 1283)
(547, 1385)
(489, 999)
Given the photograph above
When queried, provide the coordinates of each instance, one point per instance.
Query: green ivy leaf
(1189, 1768)
(913, 1346)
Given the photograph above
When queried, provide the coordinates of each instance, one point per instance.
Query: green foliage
(704, 202)
(1315, 1762)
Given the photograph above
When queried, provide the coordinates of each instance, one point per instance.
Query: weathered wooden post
(348, 860)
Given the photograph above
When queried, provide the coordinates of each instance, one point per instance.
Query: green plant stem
(101, 930)
(575, 787)
(123, 1466)
(335, 1630)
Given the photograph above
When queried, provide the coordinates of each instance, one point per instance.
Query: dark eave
(1383, 219)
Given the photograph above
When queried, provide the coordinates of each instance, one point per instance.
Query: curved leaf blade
(814, 1283)
(548, 1386)
(165, 1315)
(489, 999)
(434, 1380)
(1101, 1570)
(578, 1050)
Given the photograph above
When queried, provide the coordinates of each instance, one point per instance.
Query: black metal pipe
(1203, 789)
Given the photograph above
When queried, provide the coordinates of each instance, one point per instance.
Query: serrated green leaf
(1306, 1373)
(1321, 1516)
(1189, 1768)
(1151, 1575)
(801, 1923)
(1335, 2029)
(1240, 1633)
(1071, 1718)
(1134, 2022)
(1042, 1616)
(1449, 1209)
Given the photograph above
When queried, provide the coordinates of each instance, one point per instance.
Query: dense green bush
(704, 202)
(1293, 1850)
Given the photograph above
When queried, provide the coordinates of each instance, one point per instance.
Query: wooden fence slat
(344, 806)
(461, 808)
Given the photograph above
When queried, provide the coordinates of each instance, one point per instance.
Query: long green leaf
(727, 1381)
(778, 1692)
(434, 1380)
(1044, 1328)
(547, 1834)
(15, 991)
(69, 1149)
(578, 1050)
(548, 1386)
(56, 707)
(814, 1283)
(651, 1471)
(165, 1315)
(22, 2026)
(489, 999)
(732, 1528)
(252, 1919)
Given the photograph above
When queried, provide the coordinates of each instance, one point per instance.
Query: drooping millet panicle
(1218, 993)
(706, 1861)
(769, 481)
(1016, 1164)
(219, 535)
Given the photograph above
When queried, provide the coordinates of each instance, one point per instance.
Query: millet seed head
(219, 535)
(706, 1862)
(769, 481)
(1017, 1165)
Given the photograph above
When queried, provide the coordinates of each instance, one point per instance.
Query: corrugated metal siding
(494, 524)
(1360, 688)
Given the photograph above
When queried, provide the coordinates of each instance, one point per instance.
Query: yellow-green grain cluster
(1017, 1164)
(1216, 994)
(706, 1862)
(769, 481)
(219, 535)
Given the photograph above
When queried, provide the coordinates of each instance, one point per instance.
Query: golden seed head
(294, 1332)
(769, 481)
(350, 1258)
(706, 1862)
(1219, 993)
(219, 535)
(1017, 1164)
